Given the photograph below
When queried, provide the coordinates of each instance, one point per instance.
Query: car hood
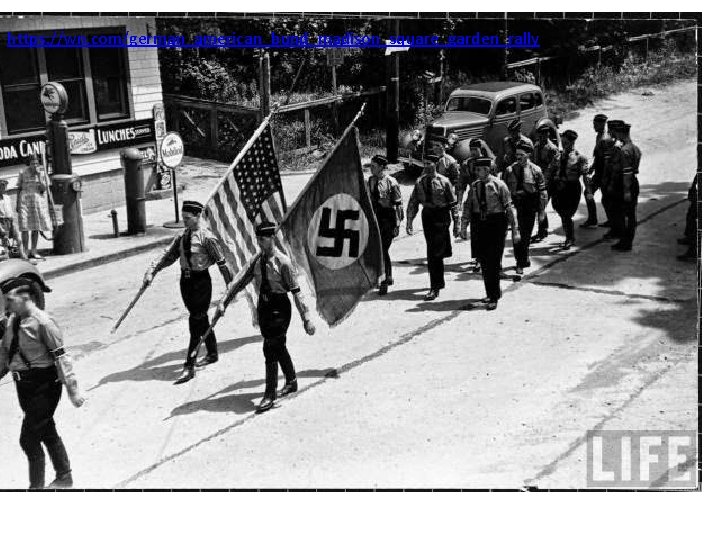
(454, 120)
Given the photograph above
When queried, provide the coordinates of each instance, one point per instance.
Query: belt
(187, 272)
(34, 374)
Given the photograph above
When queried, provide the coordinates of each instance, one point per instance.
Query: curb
(104, 259)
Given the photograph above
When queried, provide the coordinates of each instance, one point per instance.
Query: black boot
(289, 387)
(271, 376)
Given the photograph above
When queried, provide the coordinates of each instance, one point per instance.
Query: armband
(58, 353)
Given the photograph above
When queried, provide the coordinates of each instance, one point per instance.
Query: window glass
(109, 82)
(65, 66)
(18, 66)
(507, 106)
(526, 102)
(471, 104)
(538, 99)
(21, 90)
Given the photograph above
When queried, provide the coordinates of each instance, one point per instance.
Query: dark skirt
(436, 227)
(566, 199)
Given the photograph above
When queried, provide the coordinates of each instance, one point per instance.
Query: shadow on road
(232, 399)
(168, 366)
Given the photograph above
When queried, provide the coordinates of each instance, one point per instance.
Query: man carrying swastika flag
(332, 233)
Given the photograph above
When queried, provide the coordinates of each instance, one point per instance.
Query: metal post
(265, 79)
(175, 197)
(392, 126)
(506, 52)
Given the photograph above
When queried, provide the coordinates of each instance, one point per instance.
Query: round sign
(54, 98)
(338, 232)
(171, 150)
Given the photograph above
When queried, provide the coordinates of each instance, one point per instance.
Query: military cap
(476, 142)
(600, 117)
(615, 124)
(569, 134)
(17, 284)
(525, 146)
(380, 160)
(265, 228)
(431, 157)
(192, 207)
(515, 124)
(482, 162)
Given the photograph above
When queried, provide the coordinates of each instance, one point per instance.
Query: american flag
(249, 193)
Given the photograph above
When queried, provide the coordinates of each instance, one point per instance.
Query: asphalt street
(405, 393)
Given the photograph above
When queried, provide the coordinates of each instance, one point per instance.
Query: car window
(538, 99)
(507, 106)
(470, 104)
(526, 102)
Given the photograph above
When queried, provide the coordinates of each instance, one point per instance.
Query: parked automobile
(481, 110)
(11, 268)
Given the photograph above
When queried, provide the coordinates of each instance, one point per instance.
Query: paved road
(405, 393)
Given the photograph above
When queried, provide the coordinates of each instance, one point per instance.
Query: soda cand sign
(172, 150)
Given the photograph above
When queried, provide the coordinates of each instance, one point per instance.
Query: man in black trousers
(197, 250)
(435, 192)
(488, 209)
(28, 351)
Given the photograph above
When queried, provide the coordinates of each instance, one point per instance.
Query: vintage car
(481, 110)
(11, 268)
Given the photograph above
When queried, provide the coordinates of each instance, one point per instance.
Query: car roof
(497, 88)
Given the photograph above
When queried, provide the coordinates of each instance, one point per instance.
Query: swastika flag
(333, 234)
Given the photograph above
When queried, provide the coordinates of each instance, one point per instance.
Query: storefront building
(114, 94)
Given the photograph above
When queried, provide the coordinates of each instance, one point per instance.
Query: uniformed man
(29, 348)
(565, 188)
(276, 276)
(478, 149)
(625, 187)
(511, 142)
(601, 151)
(197, 250)
(448, 167)
(387, 204)
(612, 177)
(435, 193)
(529, 196)
(545, 155)
(488, 209)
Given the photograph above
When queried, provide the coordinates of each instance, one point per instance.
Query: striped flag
(249, 193)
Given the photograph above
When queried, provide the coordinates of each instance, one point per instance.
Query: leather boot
(289, 387)
(188, 373)
(62, 481)
(271, 374)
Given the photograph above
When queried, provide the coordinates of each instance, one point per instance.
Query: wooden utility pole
(392, 126)
(504, 74)
(264, 84)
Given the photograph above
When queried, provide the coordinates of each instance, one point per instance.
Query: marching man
(197, 250)
(275, 274)
(489, 209)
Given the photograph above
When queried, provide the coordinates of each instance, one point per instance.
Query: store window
(66, 67)
(96, 81)
(20, 79)
(109, 76)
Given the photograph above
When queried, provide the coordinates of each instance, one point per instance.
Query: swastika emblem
(338, 232)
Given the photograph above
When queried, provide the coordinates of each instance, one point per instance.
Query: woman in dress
(32, 213)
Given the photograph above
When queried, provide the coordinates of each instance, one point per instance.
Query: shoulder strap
(186, 246)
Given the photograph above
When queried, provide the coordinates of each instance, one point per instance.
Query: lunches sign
(125, 134)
